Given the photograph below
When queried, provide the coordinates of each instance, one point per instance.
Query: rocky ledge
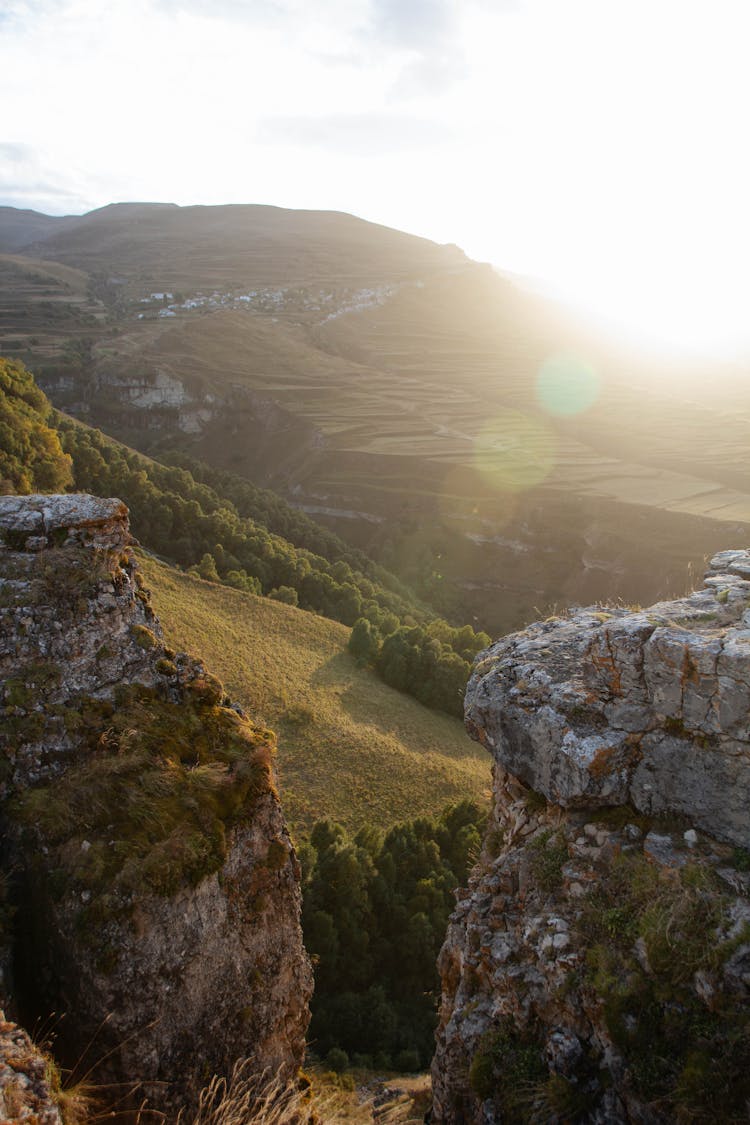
(597, 969)
(151, 891)
(648, 706)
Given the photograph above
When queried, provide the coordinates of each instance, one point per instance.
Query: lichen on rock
(650, 707)
(597, 969)
(139, 810)
(27, 1089)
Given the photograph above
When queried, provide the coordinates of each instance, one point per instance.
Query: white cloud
(582, 141)
(27, 180)
(362, 135)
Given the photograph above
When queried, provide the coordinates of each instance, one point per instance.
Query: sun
(699, 308)
(609, 164)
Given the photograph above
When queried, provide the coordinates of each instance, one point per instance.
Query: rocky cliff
(598, 967)
(153, 891)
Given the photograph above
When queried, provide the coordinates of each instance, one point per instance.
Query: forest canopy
(31, 457)
(225, 529)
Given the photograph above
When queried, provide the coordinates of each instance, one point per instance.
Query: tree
(285, 594)
(31, 457)
(363, 641)
(206, 568)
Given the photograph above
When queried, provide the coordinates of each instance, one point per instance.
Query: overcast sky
(596, 144)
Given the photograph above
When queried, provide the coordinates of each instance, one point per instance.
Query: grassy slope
(350, 748)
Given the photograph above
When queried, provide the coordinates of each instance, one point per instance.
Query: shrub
(143, 637)
(548, 855)
(337, 1060)
(286, 594)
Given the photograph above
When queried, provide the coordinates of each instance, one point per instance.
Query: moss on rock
(156, 788)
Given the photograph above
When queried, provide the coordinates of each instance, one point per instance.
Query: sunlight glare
(619, 176)
(566, 385)
(514, 452)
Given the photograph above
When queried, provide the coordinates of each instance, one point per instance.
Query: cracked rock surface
(612, 705)
(597, 967)
(154, 898)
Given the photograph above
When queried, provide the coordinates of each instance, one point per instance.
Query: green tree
(374, 915)
(31, 457)
(206, 568)
(363, 641)
(285, 594)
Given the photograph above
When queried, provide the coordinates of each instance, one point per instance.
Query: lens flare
(514, 452)
(567, 385)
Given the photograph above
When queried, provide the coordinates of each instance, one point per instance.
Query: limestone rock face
(650, 707)
(70, 611)
(597, 968)
(156, 890)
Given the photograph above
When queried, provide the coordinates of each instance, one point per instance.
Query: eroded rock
(156, 885)
(597, 969)
(650, 707)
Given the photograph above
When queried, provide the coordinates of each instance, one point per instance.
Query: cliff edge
(597, 969)
(152, 888)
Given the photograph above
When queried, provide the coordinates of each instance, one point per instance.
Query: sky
(596, 146)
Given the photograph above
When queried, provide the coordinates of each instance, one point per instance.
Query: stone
(564, 1050)
(25, 1090)
(180, 984)
(649, 708)
(662, 850)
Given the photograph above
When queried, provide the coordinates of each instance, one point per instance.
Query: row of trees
(189, 522)
(431, 662)
(223, 538)
(375, 911)
(275, 514)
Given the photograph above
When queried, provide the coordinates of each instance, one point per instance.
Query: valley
(389, 387)
(472, 459)
(350, 749)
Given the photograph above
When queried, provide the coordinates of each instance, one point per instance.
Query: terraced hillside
(489, 448)
(43, 307)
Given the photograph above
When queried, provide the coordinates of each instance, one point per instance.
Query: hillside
(161, 245)
(390, 387)
(349, 748)
(22, 227)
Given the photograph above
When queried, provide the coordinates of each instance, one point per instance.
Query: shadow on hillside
(367, 700)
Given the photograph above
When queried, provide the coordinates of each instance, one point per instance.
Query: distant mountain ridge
(389, 386)
(22, 228)
(180, 246)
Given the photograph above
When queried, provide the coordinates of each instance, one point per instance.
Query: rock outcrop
(598, 967)
(154, 884)
(27, 1091)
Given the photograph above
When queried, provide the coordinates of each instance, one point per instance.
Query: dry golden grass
(350, 748)
(248, 1098)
